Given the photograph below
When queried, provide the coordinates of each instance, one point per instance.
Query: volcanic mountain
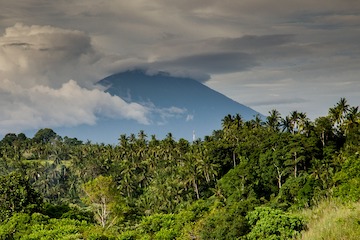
(181, 106)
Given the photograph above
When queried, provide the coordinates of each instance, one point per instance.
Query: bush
(298, 192)
(17, 195)
(275, 224)
(228, 222)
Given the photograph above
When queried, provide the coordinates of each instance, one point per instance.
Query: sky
(266, 54)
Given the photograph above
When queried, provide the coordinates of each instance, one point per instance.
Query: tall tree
(338, 113)
(273, 120)
(101, 195)
(44, 135)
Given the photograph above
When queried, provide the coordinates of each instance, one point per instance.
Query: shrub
(274, 224)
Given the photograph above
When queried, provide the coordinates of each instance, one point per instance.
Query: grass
(332, 220)
(67, 163)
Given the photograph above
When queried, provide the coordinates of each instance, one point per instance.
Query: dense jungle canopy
(249, 180)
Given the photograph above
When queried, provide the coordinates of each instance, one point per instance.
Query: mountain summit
(177, 105)
(181, 105)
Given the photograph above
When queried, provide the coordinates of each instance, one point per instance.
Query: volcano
(178, 105)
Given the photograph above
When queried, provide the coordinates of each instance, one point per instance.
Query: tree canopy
(245, 181)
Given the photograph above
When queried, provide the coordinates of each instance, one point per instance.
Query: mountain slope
(177, 105)
(166, 91)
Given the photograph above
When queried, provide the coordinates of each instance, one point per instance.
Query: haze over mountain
(175, 105)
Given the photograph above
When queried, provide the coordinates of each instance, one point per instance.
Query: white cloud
(36, 63)
(70, 105)
(31, 55)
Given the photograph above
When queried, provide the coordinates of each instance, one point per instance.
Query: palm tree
(208, 169)
(303, 123)
(123, 140)
(324, 129)
(338, 112)
(294, 120)
(238, 121)
(273, 120)
(142, 137)
(190, 172)
(352, 119)
(257, 122)
(286, 124)
(227, 122)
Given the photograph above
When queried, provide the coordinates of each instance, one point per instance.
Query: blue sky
(288, 55)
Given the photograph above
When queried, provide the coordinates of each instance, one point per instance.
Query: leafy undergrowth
(332, 220)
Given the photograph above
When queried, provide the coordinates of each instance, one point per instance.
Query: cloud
(36, 65)
(40, 106)
(47, 55)
(310, 42)
(211, 63)
(161, 116)
(189, 117)
(277, 102)
(252, 42)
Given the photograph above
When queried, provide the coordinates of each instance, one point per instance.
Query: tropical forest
(273, 177)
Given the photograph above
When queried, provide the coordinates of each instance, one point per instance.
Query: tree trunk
(196, 189)
(323, 138)
(295, 167)
(234, 159)
(279, 176)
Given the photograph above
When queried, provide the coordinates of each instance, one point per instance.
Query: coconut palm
(273, 120)
(338, 112)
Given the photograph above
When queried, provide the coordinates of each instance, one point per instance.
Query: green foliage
(24, 226)
(170, 226)
(348, 179)
(17, 195)
(101, 195)
(44, 136)
(297, 192)
(222, 224)
(37, 226)
(55, 210)
(233, 183)
(165, 189)
(227, 222)
(9, 139)
(158, 226)
(67, 211)
(268, 223)
(56, 229)
(15, 226)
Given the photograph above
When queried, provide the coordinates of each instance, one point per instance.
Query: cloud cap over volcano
(287, 55)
